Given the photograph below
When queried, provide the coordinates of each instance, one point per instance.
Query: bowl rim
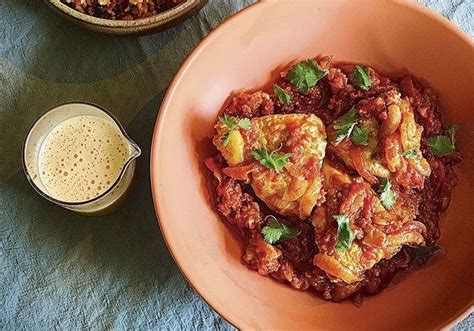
(148, 22)
(157, 140)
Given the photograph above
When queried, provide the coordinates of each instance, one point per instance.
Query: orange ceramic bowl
(244, 53)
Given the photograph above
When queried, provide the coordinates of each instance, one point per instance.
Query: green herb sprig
(387, 196)
(421, 254)
(411, 154)
(232, 123)
(305, 75)
(282, 94)
(361, 77)
(360, 135)
(276, 231)
(345, 236)
(444, 145)
(422, 251)
(345, 124)
(273, 160)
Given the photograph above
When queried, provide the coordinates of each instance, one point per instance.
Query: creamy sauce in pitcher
(81, 158)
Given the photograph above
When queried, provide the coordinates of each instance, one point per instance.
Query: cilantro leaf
(282, 94)
(361, 77)
(244, 123)
(275, 231)
(305, 75)
(441, 145)
(345, 124)
(345, 236)
(344, 133)
(422, 251)
(228, 121)
(387, 196)
(411, 154)
(232, 123)
(444, 145)
(360, 135)
(272, 231)
(271, 160)
(421, 254)
(452, 129)
(225, 138)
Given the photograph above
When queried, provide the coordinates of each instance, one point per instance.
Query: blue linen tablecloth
(64, 271)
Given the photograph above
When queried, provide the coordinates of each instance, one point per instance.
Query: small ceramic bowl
(245, 53)
(155, 23)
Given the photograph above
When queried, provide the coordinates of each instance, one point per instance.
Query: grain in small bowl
(126, 17)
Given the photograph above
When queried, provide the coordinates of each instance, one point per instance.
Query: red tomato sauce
(333, 96)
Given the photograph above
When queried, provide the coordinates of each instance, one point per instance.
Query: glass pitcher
(115, 194)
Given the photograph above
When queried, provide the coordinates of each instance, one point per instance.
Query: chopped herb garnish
(282, 94)
(452, 129)
(411, 154)
(387, 196)
(424, 251)
(225, 138)
(228, 121)
(441, 145)
(421, 251)
(360, 135)
(345, 236)
(345, 124)
(271, 160)
(444, 145)
(305, 75)
(361, 77)
(232, 123)
(244, 123)
(276, 231)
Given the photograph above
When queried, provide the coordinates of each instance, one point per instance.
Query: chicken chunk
(378, 233)
(393, 145)
(293, 188)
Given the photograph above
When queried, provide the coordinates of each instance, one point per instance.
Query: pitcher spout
(135, 151)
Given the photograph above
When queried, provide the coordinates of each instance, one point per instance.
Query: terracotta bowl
(244, 53)
(140, 26)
